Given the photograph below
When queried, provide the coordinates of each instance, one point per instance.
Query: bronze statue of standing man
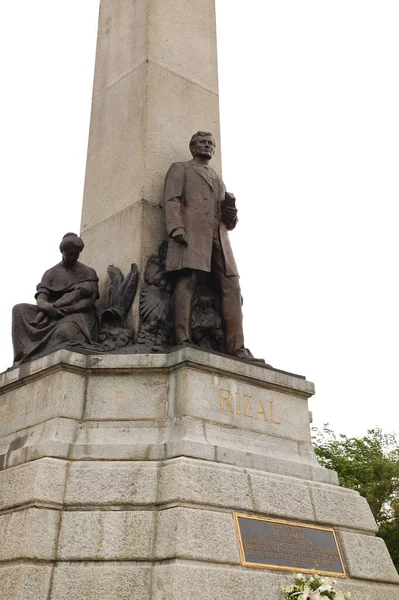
(199, 214)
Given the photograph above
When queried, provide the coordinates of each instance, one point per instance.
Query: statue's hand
(52, 311)
(62, 311)
(180, 236)
(230, 213)
(48, 308)
(41, 318)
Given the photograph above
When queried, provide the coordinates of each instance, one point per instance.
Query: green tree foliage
(369, 465)
(389, 531)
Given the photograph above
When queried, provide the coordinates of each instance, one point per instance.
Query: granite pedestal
(120, 476)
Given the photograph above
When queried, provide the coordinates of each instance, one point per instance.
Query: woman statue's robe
(32, 340)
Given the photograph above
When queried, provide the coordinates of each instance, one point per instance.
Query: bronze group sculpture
(66, 315)
(65, 310)
(190, 294)
(199, 213)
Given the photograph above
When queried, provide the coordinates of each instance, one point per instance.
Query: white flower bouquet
(313, 587)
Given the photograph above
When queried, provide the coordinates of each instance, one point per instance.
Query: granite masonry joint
(228, 427)
(119, 79)
(40, 562)
(149, 62)
(160, 506)
(193, 358)
(37, 424)
(57, 542)
(116, 507)
(192, 81)
(21, 507)
(37, 375)
(240, 377)
(349, 529)
(141, 202)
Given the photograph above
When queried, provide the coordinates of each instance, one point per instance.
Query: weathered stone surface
(178, 581)
(281, 497)
(60, 394)
(185, 581)
(30, 533)
(133, 232)
(185, 480)
(102, 581)
(50, 438)
(368, 591)
(144, 506)
(113, 119)
(106, 535)
(237, 404)
(197, 535)
(182, 57)
(367, 557)
(126, 397)
(25, 582)
(121, 43)
(148, 407)
(241, 440)
(243, 448)
(213, 363)
(110, 483)
(40, 365)
(338, 506)
(184, 447)
(38, 481)
(131, 33)
(258, 450)
(116, 440)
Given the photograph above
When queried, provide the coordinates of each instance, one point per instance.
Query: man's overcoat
(192, 199)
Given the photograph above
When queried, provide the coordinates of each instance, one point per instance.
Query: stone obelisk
(155, 84)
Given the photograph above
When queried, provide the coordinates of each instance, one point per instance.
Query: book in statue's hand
(229, 200)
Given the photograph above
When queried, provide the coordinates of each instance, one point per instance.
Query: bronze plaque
(273, 544)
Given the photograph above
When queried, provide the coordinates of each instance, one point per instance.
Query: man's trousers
(230, 300)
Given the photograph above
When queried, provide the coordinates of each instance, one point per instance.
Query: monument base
(120, 476)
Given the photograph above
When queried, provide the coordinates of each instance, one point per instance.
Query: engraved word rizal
(247, 406)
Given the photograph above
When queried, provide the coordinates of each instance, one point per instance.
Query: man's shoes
(245, 354)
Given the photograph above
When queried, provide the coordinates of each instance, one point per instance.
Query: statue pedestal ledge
(120, 475)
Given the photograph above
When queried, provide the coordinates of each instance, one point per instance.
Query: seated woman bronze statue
(65, 314)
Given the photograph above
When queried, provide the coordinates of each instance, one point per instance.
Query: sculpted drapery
(193, 200)
(65, 311)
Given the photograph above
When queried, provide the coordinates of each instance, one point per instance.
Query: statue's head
(203, 145)
(71, 246)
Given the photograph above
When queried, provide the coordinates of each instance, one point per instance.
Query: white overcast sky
(309, 93)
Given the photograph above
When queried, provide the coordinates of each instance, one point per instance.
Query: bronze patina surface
(274, 544)
(65, 307)
(199, 214)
